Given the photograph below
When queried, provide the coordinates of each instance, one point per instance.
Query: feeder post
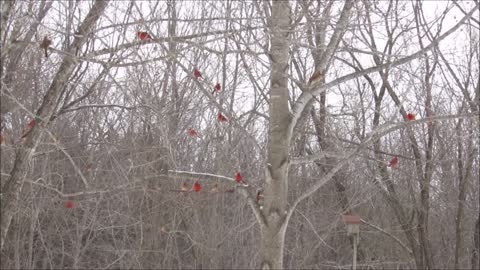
(353, 229)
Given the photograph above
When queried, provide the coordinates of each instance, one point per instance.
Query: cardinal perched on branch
(197, 187)
(316, 76)
(221, 118)
(394, 162)
(192, 132)
(197, 74)
(410, 116)
(217, 88)
(143, 36)
(69, 204)
(45, 44)
(238, 177)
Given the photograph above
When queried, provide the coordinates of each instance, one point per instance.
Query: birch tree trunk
(13, 186)
(274, 211)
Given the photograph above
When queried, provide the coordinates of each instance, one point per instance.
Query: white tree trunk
(275, 204)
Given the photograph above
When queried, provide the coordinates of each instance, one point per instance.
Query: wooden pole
(355, 251)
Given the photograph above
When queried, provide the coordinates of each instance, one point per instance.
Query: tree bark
(476, 245)
(13, 186)
(275, 200)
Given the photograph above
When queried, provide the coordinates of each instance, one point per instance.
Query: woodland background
(95, 183)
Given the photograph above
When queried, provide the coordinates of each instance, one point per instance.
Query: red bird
(197, 74)
(221, 118)
(394, 162)
(217, 88)
(143, 36)
(238, 177)
(69, 204)
(410, 116)
(192, 132)
(197, 187)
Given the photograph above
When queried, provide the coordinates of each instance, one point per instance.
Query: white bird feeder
(353, 224)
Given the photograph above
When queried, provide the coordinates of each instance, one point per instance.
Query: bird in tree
(410, 116)
(143, 36)
(221, 118)
(238, 177)
(197, 187)
(217, 88)
(46, 42)
(316, 76)
(68, 204)
(394, 162)
(215, 188)
(192, 132)
(184, 187)
(29, 126)
(197, 74)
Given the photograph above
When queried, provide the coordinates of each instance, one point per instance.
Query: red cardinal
(28, 128)
(143, 36)
(197, 74)
(217, 88)
(410, 116)
(69, 204)
(192, 132)
(221, 118)
(238, 177)
(394, 162)
(197, 187)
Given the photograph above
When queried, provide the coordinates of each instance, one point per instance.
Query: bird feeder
(353, 224)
